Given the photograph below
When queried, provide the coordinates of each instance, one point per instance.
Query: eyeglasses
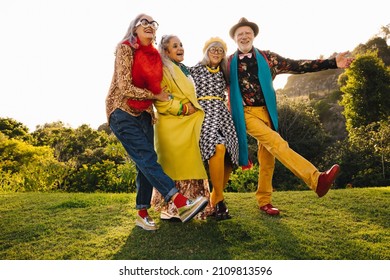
(145, 23)
(215, 50)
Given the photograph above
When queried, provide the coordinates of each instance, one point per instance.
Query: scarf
(183, 68)
(146, 73)
(236, 103)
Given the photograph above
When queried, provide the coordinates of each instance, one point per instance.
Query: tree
(14, 129)
(105, 127)
(377, 45)
(76, 145)
(366, 88)
(364, 157)
(54, 135)
(366, 91)
(385, 31)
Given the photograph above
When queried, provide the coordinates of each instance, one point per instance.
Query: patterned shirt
(248, 79)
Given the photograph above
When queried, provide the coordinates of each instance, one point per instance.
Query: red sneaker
(326, 180)
(270, 210)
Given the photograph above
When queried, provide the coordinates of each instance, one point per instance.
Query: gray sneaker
(146, 223)
(193, 207)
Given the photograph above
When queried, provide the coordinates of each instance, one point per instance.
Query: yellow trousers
(270, 146)
(220, 170)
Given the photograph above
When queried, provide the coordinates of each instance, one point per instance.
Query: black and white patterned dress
(217, 127)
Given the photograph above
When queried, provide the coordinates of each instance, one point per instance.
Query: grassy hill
(348, 224)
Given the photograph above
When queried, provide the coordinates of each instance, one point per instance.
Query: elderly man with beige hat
(253, 106)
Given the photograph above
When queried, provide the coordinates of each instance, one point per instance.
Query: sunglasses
(145, 23)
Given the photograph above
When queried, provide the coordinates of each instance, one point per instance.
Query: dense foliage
(56, 157)
(366, 92)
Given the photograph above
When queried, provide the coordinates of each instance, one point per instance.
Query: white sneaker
(146, 223)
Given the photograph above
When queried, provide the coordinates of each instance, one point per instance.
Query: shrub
(244, 180)
(24, 167)
(106, 176)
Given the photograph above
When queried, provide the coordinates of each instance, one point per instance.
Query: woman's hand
(190, 109)
(163, 96)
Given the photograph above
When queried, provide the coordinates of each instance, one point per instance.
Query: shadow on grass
(240, 238)
(195, 240)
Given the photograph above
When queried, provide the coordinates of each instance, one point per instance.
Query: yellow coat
(177, 137)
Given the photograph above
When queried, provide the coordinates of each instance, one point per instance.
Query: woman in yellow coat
(177, 130)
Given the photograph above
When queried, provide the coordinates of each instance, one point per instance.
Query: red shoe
(270, 210)
(326, 180)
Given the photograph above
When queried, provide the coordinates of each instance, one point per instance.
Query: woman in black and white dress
(218, 139)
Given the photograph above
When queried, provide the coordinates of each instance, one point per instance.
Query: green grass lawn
(348, 224)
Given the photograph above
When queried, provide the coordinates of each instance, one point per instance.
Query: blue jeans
(137, 135)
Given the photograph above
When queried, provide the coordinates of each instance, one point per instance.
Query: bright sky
(57, 56)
